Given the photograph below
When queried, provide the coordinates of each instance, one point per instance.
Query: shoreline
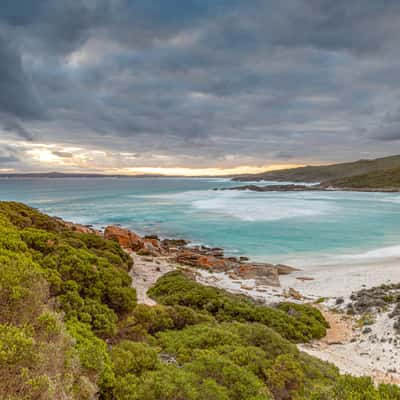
(360, 344)
(351, 346)
(341, 279)
(308, 188)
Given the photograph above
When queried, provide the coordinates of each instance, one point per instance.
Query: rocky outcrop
(144, 246)
(285, 269)
(263, 274)
(126, 238)
(327, 186)
(79, 227)
(276, 188)
(374, 299)
(195, 259)
(211, 259)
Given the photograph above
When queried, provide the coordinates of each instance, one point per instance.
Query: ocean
(296, 228)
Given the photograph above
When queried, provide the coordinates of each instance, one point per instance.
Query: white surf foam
(251, 207)
(380, 253)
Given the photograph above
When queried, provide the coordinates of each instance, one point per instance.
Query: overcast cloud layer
(120, 84)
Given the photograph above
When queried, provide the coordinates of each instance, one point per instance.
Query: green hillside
(384, 179)
(70, 329)
(326, 172)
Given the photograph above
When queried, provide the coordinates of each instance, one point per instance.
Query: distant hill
(324, 173)
(59, 175)
(383, 179)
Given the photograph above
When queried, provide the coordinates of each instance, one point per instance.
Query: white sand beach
(353, 349)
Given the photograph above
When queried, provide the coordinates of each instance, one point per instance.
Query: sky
(196, 86)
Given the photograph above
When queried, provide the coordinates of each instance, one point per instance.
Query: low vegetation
(70, 328)
(378, 173)
(385, 179)
(298, 323)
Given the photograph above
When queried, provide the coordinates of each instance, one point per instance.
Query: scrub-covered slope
(385, 179)
(325, 173)
(70, 328)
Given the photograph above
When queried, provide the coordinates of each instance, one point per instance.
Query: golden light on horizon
(66, 158)
(44, 155)
(187, 171)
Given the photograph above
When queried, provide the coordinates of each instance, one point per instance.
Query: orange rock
(201, 261)
(154, 242)
(152, 247)
(124, 237)
(80, 228)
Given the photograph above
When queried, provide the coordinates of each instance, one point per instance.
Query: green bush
(133, 358)
(175, 289)
(352, 388)
(17, 347)
(240, 383)
(23, 289)
(67, 309)
(169, 383)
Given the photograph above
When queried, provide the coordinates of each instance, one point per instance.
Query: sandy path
(145, 272)
(341, 327)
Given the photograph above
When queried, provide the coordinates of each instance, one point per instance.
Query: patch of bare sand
(355, 352)
(145, 272)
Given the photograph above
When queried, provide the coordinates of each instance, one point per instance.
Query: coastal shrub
(23, 216)
(23, 289)
(122, 299)
(153, 319)
(92, 353)
(17, 347)
(252, 358)
(258, 335)
(285, 377)
(90, 285)
(176, 289)
(199, 343)
(99, 266)
(308, 315)
(36, 362)
(239, 382)
(108, 249)
(250, 345)
(100, 317)
(184, 316)
(182, 344)
(160, 318)
(93, 276)
(133, 358)
(39, 240)
(348, 387)
(169, 383)
(48, 326)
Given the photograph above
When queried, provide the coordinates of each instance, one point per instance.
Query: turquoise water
(274, 227)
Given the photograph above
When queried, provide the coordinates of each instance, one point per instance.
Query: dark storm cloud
(56, 26)
(268, 80)
(17, 95)
(10, 123)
